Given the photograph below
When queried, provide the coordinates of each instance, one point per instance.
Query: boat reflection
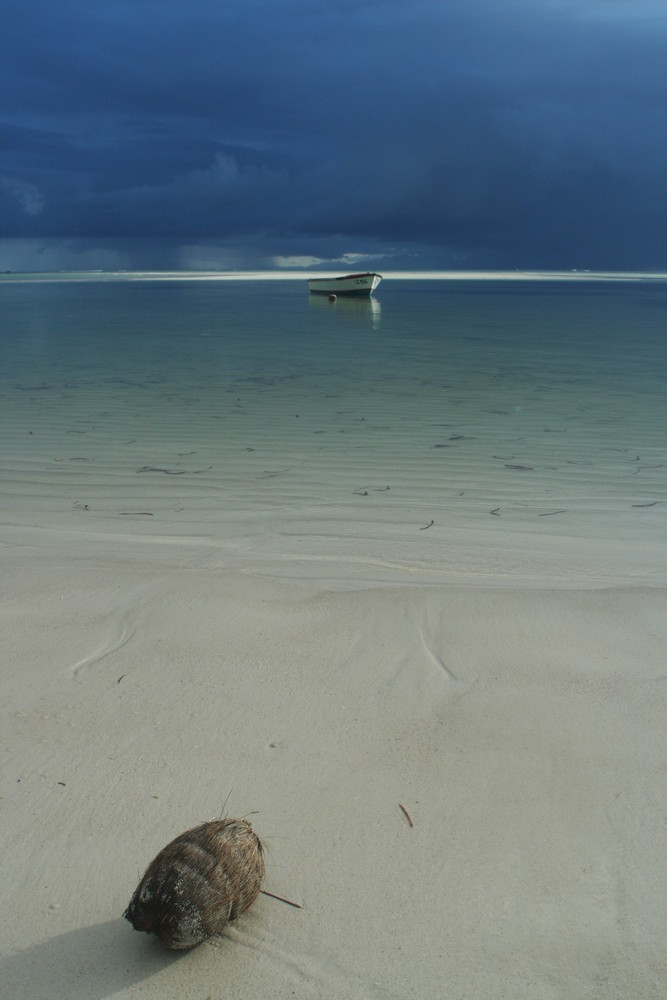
(358, 308)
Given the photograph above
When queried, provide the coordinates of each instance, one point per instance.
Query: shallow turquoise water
(443, 401)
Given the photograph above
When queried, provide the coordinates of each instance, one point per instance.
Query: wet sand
(521, 730)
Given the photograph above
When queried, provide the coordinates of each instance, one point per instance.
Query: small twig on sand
(406, 814)
(281, 899)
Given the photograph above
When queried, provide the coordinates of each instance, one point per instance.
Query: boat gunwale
(348, 277)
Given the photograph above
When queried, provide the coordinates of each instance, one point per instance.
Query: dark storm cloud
(491, 131)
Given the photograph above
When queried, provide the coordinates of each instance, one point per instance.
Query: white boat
(347, 284)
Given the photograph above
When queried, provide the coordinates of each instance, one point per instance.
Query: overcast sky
(401, 133)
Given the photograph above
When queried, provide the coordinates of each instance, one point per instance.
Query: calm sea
(274, 423)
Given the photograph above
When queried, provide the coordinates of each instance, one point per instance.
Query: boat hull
(347, 284)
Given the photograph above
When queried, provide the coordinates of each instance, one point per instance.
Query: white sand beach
(521, 728)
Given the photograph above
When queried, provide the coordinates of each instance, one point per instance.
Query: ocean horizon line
(304, 275)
